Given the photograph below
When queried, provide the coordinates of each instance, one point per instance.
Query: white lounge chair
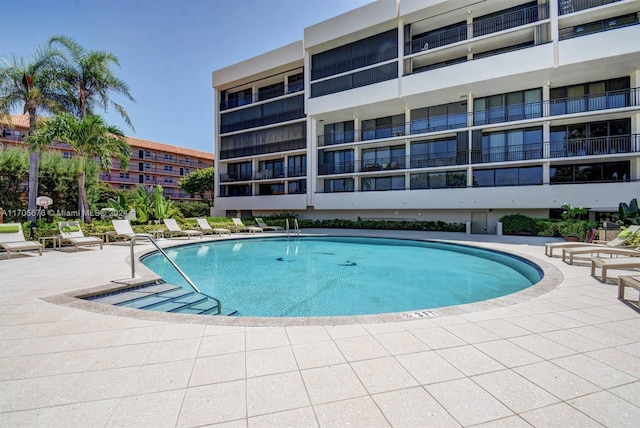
(12, 240)
(613, 263)
(568, 254)
(628, 281)
(124, 230)
(617, 242)
(206, 227)
(71, 232)
(174, 229)
(264, 226)
(238, 226)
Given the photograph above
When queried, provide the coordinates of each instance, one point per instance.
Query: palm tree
(90, 137)
(31, 85)
(90, 80)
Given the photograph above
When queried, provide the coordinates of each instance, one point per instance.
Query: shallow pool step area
(163, 297)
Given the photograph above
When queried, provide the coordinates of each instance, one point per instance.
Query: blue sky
(167, 49)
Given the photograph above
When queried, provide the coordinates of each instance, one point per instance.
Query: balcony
(596, 146)
(607, 100)
(266, 174)
(153, 157)
(263, 120)
(566, 7)
(261, 96)
(482, 27)
(585, 29)
(385, 53)
(117, 179)
(265, 148)
(560, 106)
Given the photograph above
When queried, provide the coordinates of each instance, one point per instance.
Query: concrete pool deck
(566, 355)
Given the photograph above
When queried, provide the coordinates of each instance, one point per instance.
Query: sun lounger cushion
(9, 228)
(625, 233)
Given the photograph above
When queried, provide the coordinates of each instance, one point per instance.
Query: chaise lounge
(628, 281)
(12, 240)
(206, 228)
(124, 230)
(614, 263)
(238, 226)
(261, 224)
(174, 229)
(71, 232)
(568, 254)
(617, 242)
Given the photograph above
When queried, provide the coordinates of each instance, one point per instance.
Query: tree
(199, 182)
(59, 181)
(14, 166)
(89, 80)
(89, 136)
(31, 85)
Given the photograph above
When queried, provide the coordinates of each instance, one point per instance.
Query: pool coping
(76, 299)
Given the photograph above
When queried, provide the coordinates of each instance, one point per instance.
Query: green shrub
(577, 228)
(547, 227)
(516, 224)
(195, 209)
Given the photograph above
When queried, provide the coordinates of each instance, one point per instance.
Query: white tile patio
(566, 355)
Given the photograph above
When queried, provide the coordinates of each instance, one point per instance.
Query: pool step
(163, 297)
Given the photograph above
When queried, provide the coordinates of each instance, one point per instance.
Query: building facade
(437, 110)
(151, 163)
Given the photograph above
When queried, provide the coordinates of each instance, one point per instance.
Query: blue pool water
(330, 276)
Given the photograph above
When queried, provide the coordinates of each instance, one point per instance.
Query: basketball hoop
(43, 201)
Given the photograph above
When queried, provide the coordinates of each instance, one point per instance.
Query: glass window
(515, 106)
(506, 177)
(457, 179)
(561, 174)
(533, 103)
(397, 182)
(299, 186)
(483, 178)
(438, 180)
(615, 171)
(530, 176)
(589, 172)
(419, 181)
(338, 185)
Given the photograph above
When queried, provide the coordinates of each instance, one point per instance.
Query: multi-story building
(437, 110)
(151, 163)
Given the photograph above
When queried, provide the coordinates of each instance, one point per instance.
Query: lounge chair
(613, 263)
(569, 253)
(174, 229)
(12, 240)
(238, 226)
(628, 281)
(123, 230)
(71, 232)
(263, 225)
(549, 247)
(206, 228)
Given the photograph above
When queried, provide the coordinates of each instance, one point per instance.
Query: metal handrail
(166, 256)
(295, 227)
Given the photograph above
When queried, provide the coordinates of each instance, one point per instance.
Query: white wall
(277, 59)
(597, 195)
(335, 31)
(269, 203)
(621, 45)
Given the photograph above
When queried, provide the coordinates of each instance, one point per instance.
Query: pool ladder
(166, 256)
(296, 229)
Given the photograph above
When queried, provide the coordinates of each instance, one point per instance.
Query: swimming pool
(333, 276)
